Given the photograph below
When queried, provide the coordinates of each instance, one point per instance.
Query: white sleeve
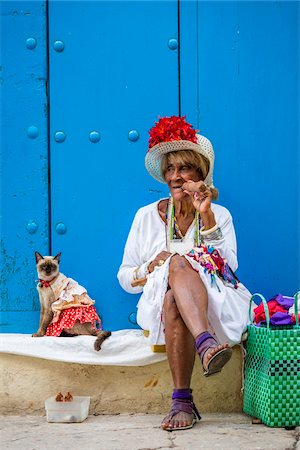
(132, 259)
(226, 246)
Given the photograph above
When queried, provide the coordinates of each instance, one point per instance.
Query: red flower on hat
(172, 128)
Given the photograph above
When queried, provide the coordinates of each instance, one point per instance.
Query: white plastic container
(75, 411)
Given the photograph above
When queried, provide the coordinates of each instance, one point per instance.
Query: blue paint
(58, 46)
(60, 136)
(61, 228)
(133, 135)
(32, 227)
(238, 85)
(24, 165)
(173, 44)
(31, 43)
(132, 318)
(189, 88)
(249, 106)
(20, 321)
(94, 136)
(97, 84)
(32, 132)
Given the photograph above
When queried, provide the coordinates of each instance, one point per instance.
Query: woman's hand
(201, 197)
(159, 260)
(200, 194)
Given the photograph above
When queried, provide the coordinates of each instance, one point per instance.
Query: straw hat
(171, 134)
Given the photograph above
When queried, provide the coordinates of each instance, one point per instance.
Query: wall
(248, 70)
(27, 382)
(24, 159)
(236, 77)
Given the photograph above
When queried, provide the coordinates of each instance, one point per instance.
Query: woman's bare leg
(191, 299)
(185, 310)
(180, 347)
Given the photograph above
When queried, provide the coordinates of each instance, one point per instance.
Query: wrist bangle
(147, 271)
(205, 232)
(135, 273)
(213, 234)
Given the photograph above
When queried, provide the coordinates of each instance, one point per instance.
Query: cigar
(203, 188)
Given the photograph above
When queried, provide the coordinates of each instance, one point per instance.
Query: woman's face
(177, 174)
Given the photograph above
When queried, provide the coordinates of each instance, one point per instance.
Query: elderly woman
(181, 254)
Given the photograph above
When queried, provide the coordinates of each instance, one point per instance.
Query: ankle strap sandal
(206, 341)
(182, 402)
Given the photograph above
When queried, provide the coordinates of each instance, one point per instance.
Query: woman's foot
(213, 355)
(180, 420)
(210, 352)
(183, 414)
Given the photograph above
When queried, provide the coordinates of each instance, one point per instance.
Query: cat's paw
(37, 334)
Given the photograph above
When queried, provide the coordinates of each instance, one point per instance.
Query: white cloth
(68, 293)
(227, 309)
(65, 288)
(122, 348)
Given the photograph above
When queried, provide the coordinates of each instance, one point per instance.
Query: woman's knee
(178, 263)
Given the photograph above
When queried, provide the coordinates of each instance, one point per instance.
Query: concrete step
(27, 382)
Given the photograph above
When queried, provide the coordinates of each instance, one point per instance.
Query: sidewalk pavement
(141, 432)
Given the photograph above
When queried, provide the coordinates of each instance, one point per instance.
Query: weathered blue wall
(114, 76)
(24, 159)
(113, 68)
(249, 104)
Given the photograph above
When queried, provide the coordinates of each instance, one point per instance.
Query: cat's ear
(57, 257)
(38, 257)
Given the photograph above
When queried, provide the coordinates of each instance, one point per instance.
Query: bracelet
(135, 273)
(213, 234)
(205, 232)
(137, 269)
(147, 271)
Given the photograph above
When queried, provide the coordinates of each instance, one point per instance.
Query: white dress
(227, 307)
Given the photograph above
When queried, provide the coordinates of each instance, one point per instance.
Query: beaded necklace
(174, 231)
(206, 255)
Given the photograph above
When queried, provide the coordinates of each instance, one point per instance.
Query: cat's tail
(102, 335)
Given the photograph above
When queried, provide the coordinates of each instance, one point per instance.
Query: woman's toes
(213, 350)
(171, 424)
(182, 421)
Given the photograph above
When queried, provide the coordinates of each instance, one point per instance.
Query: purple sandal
(182, 401)
(205, 341)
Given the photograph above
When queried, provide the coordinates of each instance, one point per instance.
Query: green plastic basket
(272, 371)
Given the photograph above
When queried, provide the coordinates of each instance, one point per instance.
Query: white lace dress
(227, 307)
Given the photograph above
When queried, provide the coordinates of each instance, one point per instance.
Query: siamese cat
(58, 293)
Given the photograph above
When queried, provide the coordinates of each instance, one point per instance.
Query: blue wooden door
(113, 67)
(241, 88)
(24, 218)
(89, 81)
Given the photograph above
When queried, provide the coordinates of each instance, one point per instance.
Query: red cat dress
(71, 306)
